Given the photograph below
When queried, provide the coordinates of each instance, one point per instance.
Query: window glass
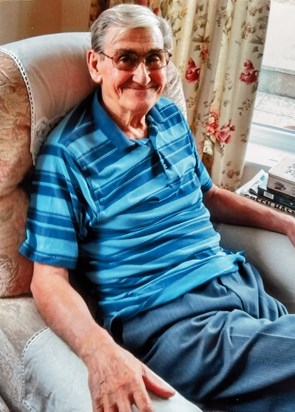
(275, 101)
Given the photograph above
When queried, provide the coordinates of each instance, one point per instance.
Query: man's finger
(155, 384)
(143, 401)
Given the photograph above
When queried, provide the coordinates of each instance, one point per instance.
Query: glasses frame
(141, 58)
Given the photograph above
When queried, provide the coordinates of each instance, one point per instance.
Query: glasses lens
(156, 60)
(128, 61)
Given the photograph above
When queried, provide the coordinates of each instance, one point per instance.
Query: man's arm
(228, 207)
(116, 378)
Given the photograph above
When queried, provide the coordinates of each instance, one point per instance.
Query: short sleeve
(58, 214)
(205, 179)
(201, 171)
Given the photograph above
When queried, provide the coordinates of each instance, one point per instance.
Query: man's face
(134, 92)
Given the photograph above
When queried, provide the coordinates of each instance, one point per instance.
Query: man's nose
(141, 73)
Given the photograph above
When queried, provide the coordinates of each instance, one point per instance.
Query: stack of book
(275, 188)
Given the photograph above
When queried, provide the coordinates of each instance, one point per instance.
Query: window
(273, 122)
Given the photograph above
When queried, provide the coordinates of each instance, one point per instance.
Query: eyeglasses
(128, 61)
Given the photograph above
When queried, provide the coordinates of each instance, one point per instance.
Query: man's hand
(117, 380)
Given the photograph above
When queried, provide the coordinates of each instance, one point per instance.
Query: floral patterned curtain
(218, 50)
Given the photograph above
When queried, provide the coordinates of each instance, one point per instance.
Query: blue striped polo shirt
(127, 214)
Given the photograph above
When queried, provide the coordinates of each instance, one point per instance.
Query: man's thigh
(227, 341)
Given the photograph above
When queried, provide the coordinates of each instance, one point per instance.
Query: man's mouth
(140, 88)
(135, 86)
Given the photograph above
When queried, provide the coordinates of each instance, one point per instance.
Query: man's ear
(92, 58)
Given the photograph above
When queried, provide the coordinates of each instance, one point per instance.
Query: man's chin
(140, 102)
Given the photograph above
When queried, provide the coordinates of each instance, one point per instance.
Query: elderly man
(122, 200)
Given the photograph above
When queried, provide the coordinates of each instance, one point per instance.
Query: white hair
(129, 16)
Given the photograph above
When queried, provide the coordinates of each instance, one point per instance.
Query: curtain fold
(218, 49)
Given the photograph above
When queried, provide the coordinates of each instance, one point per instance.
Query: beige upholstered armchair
(40, 80)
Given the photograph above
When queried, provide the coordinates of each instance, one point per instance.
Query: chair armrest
(271, 253)
(55, 379)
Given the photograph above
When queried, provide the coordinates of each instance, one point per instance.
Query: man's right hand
(117, 380)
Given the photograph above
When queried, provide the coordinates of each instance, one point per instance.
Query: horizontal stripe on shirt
(128, 215)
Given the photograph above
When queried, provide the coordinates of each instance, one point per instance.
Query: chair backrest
(41, 79)
(55, 75)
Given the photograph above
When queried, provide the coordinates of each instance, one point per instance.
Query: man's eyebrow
(157, 49)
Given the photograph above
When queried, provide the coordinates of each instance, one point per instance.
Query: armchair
(41, 78)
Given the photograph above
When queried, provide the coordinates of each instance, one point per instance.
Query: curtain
(96, 7)
(218, 48)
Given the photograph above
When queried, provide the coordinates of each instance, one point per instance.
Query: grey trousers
(226, 345)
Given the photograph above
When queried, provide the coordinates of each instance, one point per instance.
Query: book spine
(279, 207)
(276, 198)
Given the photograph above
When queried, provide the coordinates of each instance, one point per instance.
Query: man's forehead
(116, 35)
